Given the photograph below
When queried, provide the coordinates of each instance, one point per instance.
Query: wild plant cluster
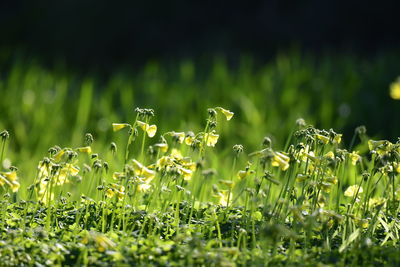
(174, 199)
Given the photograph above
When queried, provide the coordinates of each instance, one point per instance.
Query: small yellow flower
(301, 177)
(228, 114)
(162, 146)
(164, 161)
(119, 126)
(376, 201)
(175, 153)
(323, 138)
(280, 160)
(211, 138)
(180, 136)
(10, 176)
(118, 175)
(143, 171)
(85, 149)
(329, 155)
(110, 193)
(228, 183)
(58, 156)
(149, 129)
(223, 196)
(103, 243)
(143, 187)
(351, 191)
(382, 147)
(186, 173)
(189, 140)
(242, 174)
(354, 157)
(337, 139)
(395, 90)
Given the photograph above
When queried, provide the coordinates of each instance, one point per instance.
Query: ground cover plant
(133, 193)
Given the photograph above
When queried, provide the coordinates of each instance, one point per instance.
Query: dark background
(102, 34)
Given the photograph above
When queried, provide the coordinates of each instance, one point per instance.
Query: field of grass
(221, 164)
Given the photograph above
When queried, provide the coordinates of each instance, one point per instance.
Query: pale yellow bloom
(329, 155)
(119, 126)
(223, 196)
(162, 146)
(118, 175)
(85, 149)
(354, 157)
(228, 114)
(280, 160)
(10, 176)
(351, 191)
(381, 146)
(149, 129)
(164, 161)
(103, 243)
(180, 136)
(189, 140)
(211, 139)
(143, 171)
(242, 174)
(337, 139)
(65, 172)
(58, 156)
(143, 187)
(175, 153)
(186, 173)
(323, 138)
(395, 90)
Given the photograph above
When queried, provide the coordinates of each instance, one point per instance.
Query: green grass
(116, 197)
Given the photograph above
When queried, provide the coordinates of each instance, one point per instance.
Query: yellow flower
(222, 196)
(228, 114)
(381, 146)
(162, 146)
(329, 155)
(354, 157)
(143, 187)
(280, 160)
(65, 172)
(175, 153)
(337, 139)
(190, 165)
(228, 183)
(110, 193)
(301, 177)
(85, 149)
(141, 170)
(331, 179)
(10, 176)
(395, 90)
(323, 138)
(211, 138)
(119, 126)
(186, 173)
(180, 136)
(164, 161)
(189, 140)
(242, 174)
(149, 129)
(103, 243)
(58, 156)
(351, 191)
(118, 175)
(376, 201)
